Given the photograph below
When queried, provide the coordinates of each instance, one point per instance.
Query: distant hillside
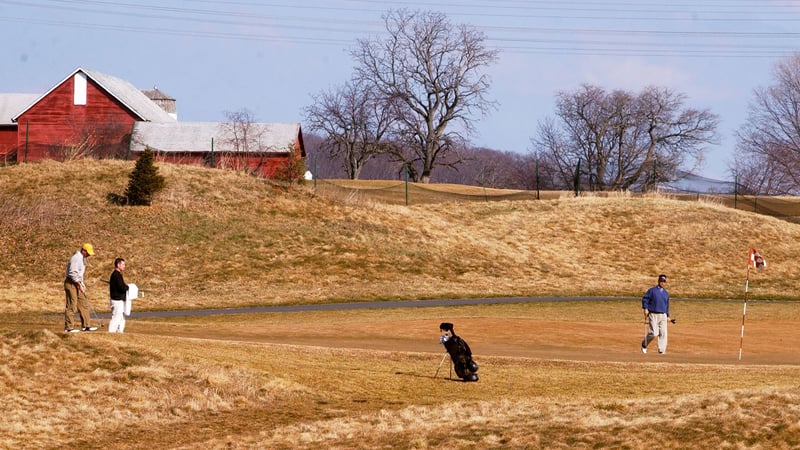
(220, 239)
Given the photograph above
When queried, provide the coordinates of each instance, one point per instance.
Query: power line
(263, 25)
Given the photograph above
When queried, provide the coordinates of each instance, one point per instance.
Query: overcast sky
(270, 56)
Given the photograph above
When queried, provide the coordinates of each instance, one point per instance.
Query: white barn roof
(12, 104)
(198, 136)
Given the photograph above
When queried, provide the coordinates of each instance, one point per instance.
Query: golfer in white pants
(118, 293)
(655, 305)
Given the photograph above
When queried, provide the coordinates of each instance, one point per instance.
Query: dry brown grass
(364, 379)
(217, 239)
(553, 375)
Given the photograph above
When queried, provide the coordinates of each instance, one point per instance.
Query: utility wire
(259, 24)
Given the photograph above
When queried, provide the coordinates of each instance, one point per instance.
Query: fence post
(405, 171)
(26, 141)
(483, 185)
(213, 163)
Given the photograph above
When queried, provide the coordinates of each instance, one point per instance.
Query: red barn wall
(55, 123)
(8, 141)
(269, 165)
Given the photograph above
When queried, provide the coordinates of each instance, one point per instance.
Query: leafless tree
(479, 166)
(539, 170)
(101, 139)
(355, 123)
(768, 145)
(490, 168)
(243, 136)
(622, 140)
(433, 73)
(759, 174)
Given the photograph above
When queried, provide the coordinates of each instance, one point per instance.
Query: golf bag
(459, 352)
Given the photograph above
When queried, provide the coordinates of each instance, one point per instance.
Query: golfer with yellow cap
(76, 291)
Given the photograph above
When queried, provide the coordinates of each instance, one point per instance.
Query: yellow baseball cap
(89, 249)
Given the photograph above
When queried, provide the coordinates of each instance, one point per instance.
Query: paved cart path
(389, 304)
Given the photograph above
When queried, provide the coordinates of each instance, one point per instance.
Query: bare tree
(621, 139)
(355, 123)
(759, 174)
(489, 168)
(243, 136)
(432, 71)
(101, 139)
(537, 170)
(768, 144)
(511, 170)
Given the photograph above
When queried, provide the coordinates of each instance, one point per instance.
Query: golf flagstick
(759, 263)
(744, 309)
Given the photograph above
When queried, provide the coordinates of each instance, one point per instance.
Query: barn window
(80, 88)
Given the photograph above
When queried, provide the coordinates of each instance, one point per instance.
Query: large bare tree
(433, 73)
(621, 139)
(768, 144)
(354, 122)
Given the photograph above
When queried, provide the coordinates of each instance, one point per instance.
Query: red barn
(89, 113)
(10, 105)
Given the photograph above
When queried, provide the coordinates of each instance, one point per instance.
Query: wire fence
(402, 193)
(782, 207)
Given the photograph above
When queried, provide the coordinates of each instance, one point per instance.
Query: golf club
(91, 307)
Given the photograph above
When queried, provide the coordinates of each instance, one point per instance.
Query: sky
(270, 57)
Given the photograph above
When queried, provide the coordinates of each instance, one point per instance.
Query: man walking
(75, 290)
(655, 305)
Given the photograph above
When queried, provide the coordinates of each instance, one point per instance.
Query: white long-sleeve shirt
(76, 266)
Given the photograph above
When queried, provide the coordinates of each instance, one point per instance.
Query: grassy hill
(221, 239)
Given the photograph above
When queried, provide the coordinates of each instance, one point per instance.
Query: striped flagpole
(744, 309)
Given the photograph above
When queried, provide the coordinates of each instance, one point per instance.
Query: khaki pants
(75, 302)
(658, 327)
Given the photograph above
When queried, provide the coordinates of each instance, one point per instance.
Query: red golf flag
(756, 260)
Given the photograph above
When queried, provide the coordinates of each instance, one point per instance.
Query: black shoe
(89, 329)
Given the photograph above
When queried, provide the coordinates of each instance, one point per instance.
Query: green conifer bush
(144, 182)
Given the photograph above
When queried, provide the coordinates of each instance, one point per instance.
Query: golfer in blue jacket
(655, 305)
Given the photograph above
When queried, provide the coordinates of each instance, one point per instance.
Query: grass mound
(221, 239)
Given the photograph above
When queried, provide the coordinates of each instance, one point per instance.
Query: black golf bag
(459, 352)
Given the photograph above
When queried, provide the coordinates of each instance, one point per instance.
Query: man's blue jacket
(656, 300)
